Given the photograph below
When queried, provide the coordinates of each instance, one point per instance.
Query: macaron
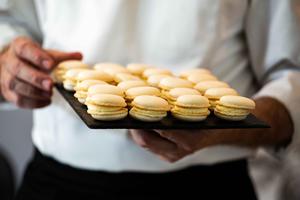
(169, 83)
(138, 68)
(234, 108)
(105, 89)
(149, 108)
(125, 85)
(214, 94)
(131, 93)
(197, 78)
(154, 71)
(64, 66)
(106, 107)
(186, 73)
(203, 86)
(70, 78)
(154, 80)
(94, 75)
(191, 108)
(82, 88)
(125, 77)
(107, 65)
(172, 95)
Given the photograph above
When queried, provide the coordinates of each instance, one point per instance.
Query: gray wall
(15, 138)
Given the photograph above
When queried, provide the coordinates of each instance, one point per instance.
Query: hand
(24, 72)
(172, 145)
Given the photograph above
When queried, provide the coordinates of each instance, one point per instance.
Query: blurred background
(15, 139)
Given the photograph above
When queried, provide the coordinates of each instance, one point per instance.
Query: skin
(25, 81)
(173, 145)
(25, 72)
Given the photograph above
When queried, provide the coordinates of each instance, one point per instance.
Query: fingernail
(47, 64)
(46, 84)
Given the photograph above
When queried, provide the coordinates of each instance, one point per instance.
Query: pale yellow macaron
(64, 66)
(70, 78)
(214, 94)
(173, 94)
(107, 65)
(234, 108)
(197, 78)
(131, 93)
(191, 108)
(82, 88)
(119, 77)
(138, 68)
(94, 75)
(154, 71)
(106, 107)
(169, 83)
(111, 68)
(203, 86)
(125, 85)
(154, 80)
(184, 74)
(149, 108)
(105, 89)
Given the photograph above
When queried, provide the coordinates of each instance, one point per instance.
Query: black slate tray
(168, 122)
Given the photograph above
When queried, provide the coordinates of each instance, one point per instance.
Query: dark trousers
(6, 179)
(47, 179)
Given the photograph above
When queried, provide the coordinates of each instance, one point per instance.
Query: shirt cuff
(286, 90)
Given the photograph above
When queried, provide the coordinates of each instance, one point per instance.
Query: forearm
(272, 112)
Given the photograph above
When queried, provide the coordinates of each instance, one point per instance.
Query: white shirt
(240, 42)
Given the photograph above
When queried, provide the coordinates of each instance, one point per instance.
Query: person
(252, 45)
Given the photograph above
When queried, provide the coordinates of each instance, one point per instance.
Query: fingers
(60, 56)
(31, 52)
(153, 142)
(20, 95)
(29, 91)
(28, 74)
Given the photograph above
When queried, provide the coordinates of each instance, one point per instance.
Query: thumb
(60, 56)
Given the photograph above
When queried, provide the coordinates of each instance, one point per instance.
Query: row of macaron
(151, 92)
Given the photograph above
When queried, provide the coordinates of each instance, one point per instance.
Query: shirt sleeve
(273, 34)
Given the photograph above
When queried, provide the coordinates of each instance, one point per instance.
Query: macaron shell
(72, 64)
(106, 65)
(97, 108)
(230, 117)
(142, 116)
(231, 111)
(196, 78)
(155, 79)
(144, 90)
(192, 101)
(189, 111)
(110, 117)
(189, 118)
(169, 83)
(105, 89)
(203, 86)
(237, 102)
(137, 68)
(217, 93)
(125, 77)
(153, 71)
(94, 75)
(84, 85)
(106, 100)
(151, 103)
(125, 85)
